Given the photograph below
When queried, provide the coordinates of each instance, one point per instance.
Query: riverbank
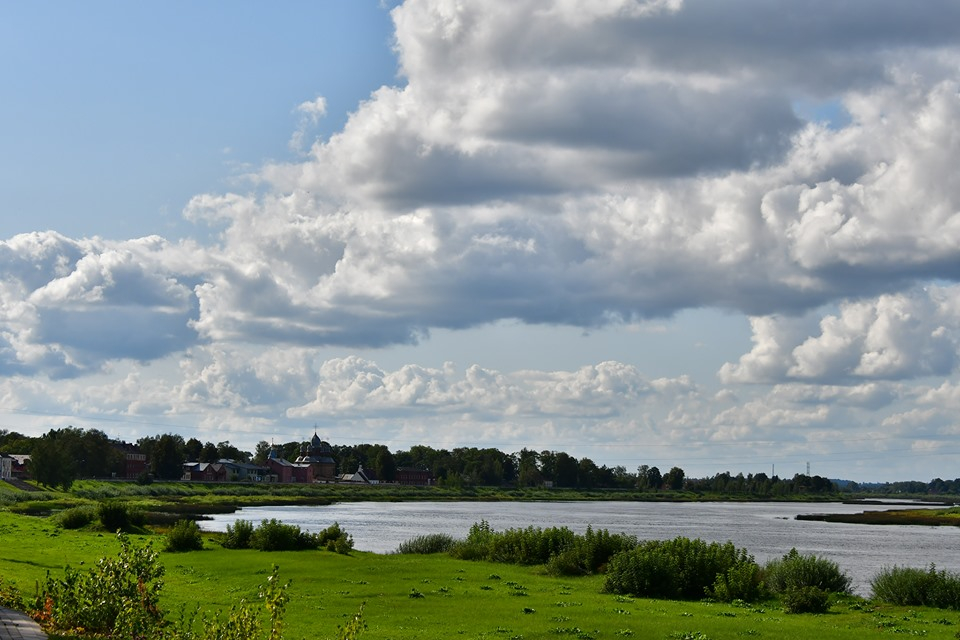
(407, 597)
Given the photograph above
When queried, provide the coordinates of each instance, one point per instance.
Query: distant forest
(63, 455)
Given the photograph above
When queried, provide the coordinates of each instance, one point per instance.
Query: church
(314, 464)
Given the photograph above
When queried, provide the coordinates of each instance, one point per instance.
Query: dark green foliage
(75, 518)
(589, 553)
(563, 551)
(116, 516)
(430, 543)
(333, 538)
(185, 536)
(52, 462)
(740, 582)
(273, 535)
(805, 600)
(909, 586)
(513, 546)
(795, 571)
(238, 535)
(679, 569)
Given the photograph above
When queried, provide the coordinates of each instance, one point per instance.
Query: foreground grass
(439, 597)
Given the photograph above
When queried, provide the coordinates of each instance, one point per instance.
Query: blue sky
(722, 236)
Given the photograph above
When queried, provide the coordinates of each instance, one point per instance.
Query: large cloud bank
(573, 163)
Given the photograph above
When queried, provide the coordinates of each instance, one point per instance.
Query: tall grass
(427, 544)
(909, 586)
(563, 551)
(684, 569)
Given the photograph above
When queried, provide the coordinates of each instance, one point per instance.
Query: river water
(766, 530)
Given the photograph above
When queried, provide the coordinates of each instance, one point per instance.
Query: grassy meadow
(435, 596)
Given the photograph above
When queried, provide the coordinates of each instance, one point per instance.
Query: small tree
(674, 479)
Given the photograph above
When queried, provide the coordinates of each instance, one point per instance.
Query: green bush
(513, 546)
(185, 536)
(75, 518)
(795, 571)
(589, 553)
(681, 569)
(563, 551)
(805, 600)
(273, 535)
(908, 586)
(333, 538)
(742, 581)
(238, 535)
(115, 516)
(426, 544)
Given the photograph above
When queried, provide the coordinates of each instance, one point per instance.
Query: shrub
(114, 516)
(430, 543)
(273, 535)
(563, 551)
(238, 535)
(590, 552)
(740, 582)
(795, 571)
(75, 518)
(185, 536)
(333, 538)
(805, 600)
(681, 569)
(908, 586)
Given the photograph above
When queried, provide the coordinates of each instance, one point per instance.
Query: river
(766, 530)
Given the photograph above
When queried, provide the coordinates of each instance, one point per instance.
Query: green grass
(460, 599)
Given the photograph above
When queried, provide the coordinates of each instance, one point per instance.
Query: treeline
(62, 455)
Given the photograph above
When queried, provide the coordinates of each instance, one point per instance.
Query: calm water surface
(767, 530)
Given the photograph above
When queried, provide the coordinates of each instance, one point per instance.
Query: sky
(723, 236)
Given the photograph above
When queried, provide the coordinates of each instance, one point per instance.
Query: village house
(362, 476)
(204, 472)
(412, 476)
(21, 466)
(6, 467)
(245, 471)
(134, 460)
